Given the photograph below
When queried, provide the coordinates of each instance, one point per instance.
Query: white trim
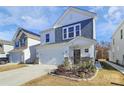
(94, 29)
(68, 31)
(64, 33)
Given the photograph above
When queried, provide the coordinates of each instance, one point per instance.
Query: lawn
(106, 77)
(11, 67)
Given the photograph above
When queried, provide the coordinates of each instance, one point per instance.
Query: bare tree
(102, 50)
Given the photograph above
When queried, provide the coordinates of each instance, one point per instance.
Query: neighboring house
(116, 52)
(23, 42)
(72, 36)
(5, 47)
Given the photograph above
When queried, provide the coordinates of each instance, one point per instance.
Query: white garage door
(51, 55)
(16, 57)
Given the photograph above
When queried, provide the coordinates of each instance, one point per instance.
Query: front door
(77, 56)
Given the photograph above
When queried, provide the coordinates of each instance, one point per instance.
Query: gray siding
(86, 30)
(58, 34)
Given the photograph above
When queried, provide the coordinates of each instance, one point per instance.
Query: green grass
(108, 76)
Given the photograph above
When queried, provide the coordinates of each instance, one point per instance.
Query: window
(121, 34)
(86, 50)
(65, 33)
(16, 44)
(47, 38)
(71, 32)
(23, 41)
(77, 30)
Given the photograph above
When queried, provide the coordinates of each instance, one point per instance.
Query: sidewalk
(119, 68)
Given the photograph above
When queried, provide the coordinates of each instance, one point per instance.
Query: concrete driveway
(25, 74)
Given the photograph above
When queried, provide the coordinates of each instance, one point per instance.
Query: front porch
(80, 49)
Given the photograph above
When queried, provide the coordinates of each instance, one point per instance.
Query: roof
(47, 30)
(28, 33)
(118, 27)
(5, 42)
(69, 41)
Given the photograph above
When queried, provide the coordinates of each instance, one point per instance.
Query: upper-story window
(16, 44)
(65, 33)
(71, 31)
(77, 28)
(23, 41)
(121, 34)
(47, 37)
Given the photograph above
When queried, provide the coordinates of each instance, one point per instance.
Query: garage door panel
(52, 56)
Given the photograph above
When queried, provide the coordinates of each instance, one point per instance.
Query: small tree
(66, 62)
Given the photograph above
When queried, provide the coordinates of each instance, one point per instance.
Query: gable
(73, 15)
(26, 33)
(21, 34)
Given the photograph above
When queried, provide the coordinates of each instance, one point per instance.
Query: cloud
(7, 35)
(96, 8)
(104, 31)
(30, 18)
(114, 14)
(107, 22)
(27, 17)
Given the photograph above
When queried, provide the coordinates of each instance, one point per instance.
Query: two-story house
(5, 47)
(116, 53)
(72, 36)
(23, 42)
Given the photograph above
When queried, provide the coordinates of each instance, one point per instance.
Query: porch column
(67, 54)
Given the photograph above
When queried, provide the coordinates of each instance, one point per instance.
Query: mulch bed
(74, 74)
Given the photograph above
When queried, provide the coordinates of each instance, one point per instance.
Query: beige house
(24, 51)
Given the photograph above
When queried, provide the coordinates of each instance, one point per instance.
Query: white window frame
(64, 33)
(67, 32)
(79, 29)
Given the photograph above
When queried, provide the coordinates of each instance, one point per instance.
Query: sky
(36, 19)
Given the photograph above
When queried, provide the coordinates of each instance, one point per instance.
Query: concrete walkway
(23, 75)
(119, 68)
(98, 65)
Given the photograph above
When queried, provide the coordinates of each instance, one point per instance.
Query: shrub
(93, 69)
(66, 62)
(86, 64)
(87, 67)
(82, 75)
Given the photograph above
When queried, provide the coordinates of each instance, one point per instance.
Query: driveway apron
(25, 74)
